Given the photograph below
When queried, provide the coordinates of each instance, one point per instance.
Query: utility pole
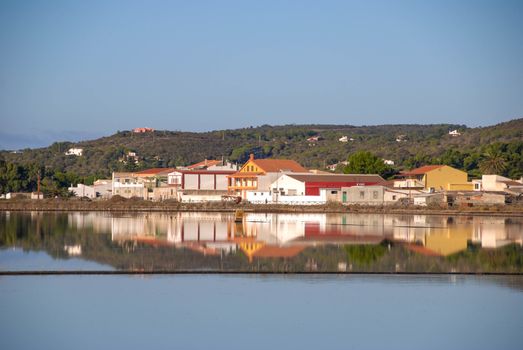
(38, 185)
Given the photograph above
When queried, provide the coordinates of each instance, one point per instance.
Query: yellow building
(448, 241)
(436, 177)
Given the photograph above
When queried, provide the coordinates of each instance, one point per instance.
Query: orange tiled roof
(422, 170)
(276, 165)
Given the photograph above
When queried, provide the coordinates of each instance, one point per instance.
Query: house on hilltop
(75, 152)
(142, 130)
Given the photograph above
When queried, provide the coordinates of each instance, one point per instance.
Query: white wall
(259, 197)
(221, 182)
(190, 182)
(82, 190)
(206, 181)
(288, 183)
(491, 182)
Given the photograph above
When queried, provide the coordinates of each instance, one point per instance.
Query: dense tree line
(24, 178)
(478, 150)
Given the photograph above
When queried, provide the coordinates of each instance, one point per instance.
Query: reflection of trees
(364, 254)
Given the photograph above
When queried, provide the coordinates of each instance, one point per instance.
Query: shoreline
(134, 205)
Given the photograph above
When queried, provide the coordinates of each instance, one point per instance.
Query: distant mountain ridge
(400, 143)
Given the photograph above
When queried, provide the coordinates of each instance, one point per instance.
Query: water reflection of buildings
(286, 235)
(260, 235)
(442, 235)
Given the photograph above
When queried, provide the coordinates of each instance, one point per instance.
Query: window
(375, 194)
(362, 194)
(334, 192)
(394, 197)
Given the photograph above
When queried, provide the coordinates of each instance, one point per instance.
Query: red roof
(154, 171)
(337, 178)
(277, 165)
(204, 163)
(422, 170)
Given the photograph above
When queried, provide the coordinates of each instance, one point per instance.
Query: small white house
(82, 190)
(74, 152)
(454, 133)
(388, 162)
(344, 139)
(497, 183)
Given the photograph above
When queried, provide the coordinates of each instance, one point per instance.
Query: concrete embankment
(136, 205)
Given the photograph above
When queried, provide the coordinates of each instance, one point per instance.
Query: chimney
(251, 156)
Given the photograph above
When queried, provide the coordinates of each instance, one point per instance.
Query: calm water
(256, 312)
(262, 242)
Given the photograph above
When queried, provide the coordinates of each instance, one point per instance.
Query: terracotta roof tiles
(422, 170)
(277, 165)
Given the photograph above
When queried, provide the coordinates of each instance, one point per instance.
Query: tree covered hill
(419, 144)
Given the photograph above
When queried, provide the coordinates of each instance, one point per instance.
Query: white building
(103, 188)
(82, 190)
(372, 195)
(199, 185)
(344, 139)
(454, 133)
(307, 188)
(74, 152)
(127, 185)
(498, 183)
(388, 162)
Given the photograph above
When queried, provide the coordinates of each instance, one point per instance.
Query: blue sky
(81, 69)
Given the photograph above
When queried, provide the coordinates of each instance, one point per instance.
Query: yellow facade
(444, 178)
(468, 186)
(449, 241)
(250, 167)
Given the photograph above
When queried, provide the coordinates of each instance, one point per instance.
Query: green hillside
(423, 144)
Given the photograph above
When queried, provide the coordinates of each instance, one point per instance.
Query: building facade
(259, 174)
(434, 178)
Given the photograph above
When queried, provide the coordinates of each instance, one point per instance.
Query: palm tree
(492, 162)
